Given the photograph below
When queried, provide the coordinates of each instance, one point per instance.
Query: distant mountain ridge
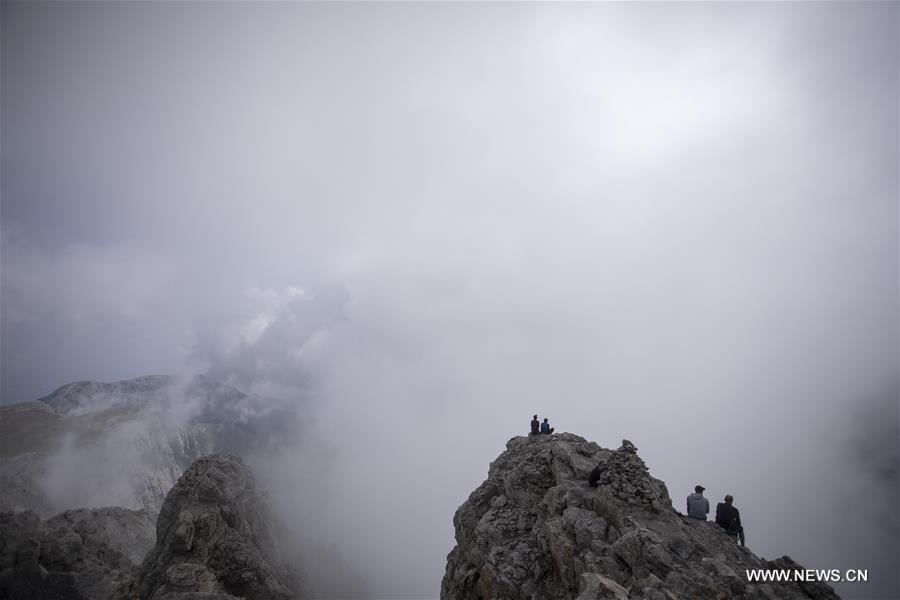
(217, 399)
(125, 443)
(83, 397)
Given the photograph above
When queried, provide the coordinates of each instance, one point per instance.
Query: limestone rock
(90, 554)
(215, 540)
(536, 530)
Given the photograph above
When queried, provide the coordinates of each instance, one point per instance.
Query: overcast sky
(423, 223)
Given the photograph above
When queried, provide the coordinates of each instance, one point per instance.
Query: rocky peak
(215, 536)
(535, 529)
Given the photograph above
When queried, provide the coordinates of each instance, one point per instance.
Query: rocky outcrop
(91, 554)
(215, 539)
(535, 529)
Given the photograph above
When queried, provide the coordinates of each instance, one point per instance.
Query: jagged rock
(215, 540)
(535, 529)
(90, 554)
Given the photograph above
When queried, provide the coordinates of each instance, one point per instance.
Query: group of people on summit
(538, 428)
(728, 517)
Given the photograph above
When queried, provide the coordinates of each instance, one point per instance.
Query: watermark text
(801, 575)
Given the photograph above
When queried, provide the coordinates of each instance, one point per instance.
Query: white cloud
(602, 211)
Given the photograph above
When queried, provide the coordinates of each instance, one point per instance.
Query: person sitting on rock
(545, 427)
(729, 518)
(697, 505)
(535, 425)
(594, 479)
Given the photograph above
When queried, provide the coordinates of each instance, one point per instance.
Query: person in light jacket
(697, 505)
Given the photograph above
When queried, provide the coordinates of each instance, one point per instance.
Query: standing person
(697, 505)
(545, 427)
(729, 518)
(535, 425)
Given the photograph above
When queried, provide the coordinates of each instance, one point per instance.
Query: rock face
(215, 540)
(80, 554)
(535, 529)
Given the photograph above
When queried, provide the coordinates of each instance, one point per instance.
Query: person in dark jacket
(545, 427)
(729, 518)
(697, 505)
(535, 426)
(594, 479)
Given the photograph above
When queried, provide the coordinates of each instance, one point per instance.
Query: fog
(420, 224)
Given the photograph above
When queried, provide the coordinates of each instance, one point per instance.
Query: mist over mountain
(126, 443)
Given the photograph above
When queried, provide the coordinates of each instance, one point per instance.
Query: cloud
(276, 345)
(671, 223)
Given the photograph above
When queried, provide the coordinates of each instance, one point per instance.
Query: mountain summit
(535, 529)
